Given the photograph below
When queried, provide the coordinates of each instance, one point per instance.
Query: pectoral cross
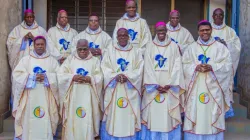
(161, 61)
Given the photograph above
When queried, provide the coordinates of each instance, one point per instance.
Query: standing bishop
(97, 38)
(138, 30)
(35, 92)
(122, 67)
(164, 82)
(62, 35)
(207, 68)
(178, 33)
(80, 81)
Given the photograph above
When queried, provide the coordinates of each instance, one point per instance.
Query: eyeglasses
(82, 49)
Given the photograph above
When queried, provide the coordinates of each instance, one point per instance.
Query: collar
(207, 43)
(218, 27)
(66, 28)
(87, 58)
(171, 28)
(33, 26)
(34, 54)
(128, 47)
(123, 48)
(92, 32)
(125, 16)
(163, 43)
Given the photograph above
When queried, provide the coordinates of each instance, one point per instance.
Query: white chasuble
(163, 66)
(138, 31)
(35, 109)
(122, 100)
(97, 39)
(18, 47)
(180, 35)
(228, 34)
(208, 96)
(80, 103)
(62, 38)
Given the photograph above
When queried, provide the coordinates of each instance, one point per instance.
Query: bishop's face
(82, 50)
(93, 23)
(174, 19)
(205, 32)
(218, 17)
(63, 19)
(131, 8)
(39, 46)
(161, 32)
(29, 18)
(122, 37)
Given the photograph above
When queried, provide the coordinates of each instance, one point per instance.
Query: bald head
(82, 43)
(62, 18)
(174, 13)
(218, 16)
(82, 48)
(174, 18)
(130, 8)
(218, 10)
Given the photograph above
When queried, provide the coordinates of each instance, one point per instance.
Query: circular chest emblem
(80, 112)
(122, 102)
(39, 112)
(159, 98)
(204, 98)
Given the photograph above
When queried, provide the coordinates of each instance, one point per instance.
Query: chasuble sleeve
(52, 78)
(52, 49)
(107, 68)
(65, 77)
(20, 76)
(135, 75)
(97, 78)
(14, 43)
(222, 69)
(189, 65)
(234, 46)
(149, 77)
(177, 76)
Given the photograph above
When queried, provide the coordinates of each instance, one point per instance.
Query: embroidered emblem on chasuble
(38, 70)
(93, 45)
(160, 61)
(80, 112)
(39, 112)
(64, 43)
(204, 98)
(160, 98)
(132, 34)
(82, 72)
(203, 58)
(122, 102)
(123, 64)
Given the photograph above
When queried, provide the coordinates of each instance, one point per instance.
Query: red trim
(162, 46)
(95, 33)
(124, 50)
(202, 134)
(207, 44)
(221, 28)
(87, 58)
(131, 20)
(173, 128)
(174, 30)
(214, 101)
